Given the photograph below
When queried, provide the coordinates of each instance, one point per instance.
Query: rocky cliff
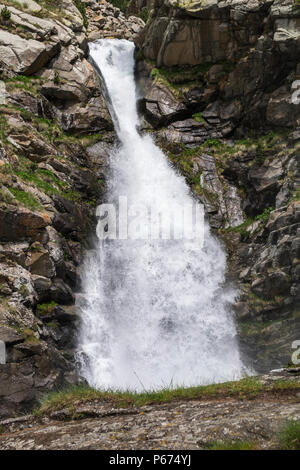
(220, 82)
(217, 79)
(51, 176)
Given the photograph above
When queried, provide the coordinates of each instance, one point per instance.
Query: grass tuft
(289, 437)
(248, 387)
(231, 445)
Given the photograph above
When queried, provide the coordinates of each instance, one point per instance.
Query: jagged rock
(42, 287)
(18, 224)
(280, 108)
(93, 117)
(61, 293)
(9, 335)
(36, 149)
(24, 56)
(39, 106)
(160, 106)
(39, 262)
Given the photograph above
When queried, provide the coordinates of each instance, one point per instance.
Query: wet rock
(61, 293)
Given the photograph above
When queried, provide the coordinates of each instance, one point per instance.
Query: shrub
(144, 14)
(5, 14)
(56, 78)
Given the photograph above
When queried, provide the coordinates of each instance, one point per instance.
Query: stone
(9, 335)
(24, 56)
(61, 293)
(42, 287)
(19, 224)
(39, 262)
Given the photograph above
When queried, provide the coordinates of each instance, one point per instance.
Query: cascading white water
(155, 313)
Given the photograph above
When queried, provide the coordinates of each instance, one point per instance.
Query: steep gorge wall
(218, 82)
(51, 178)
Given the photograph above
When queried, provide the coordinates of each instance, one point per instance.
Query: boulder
(17, 224)
(25, 56)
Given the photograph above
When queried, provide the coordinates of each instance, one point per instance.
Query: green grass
(296, 5)
(231, 445)
(244, 389)
(26, 199)
(122, 4)
(45, 308)
(289, 437)
(248, 387)
(199, 118)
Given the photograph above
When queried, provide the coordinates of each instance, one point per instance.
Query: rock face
(220, 83)
(52, 114)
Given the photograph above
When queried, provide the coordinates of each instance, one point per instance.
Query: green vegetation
(26, 199)
(296, 5)
(5, 197)
(265, 215)
(289, 437)
(24, 291)
(56, 79)
(144, 14)
(246, 388)
(242, 229)
(5, 14)
(199, 118)
(46, 308)
(180, 79)
(81, 7)
(231, 445)
(22, 82)
(45, 180)
(296, 195)
(29, 336)
(122, 4)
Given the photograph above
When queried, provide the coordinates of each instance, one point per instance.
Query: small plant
(81, 7)
(46, 308)
(29, 336)
(144, 14)
(289, 438)
(5, 14)
(56, 78)
(199, 118)
(24, 291)
(265, 215)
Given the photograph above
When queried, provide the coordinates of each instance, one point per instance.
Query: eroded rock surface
(192, 424)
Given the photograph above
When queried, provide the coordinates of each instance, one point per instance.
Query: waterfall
(155, 312)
